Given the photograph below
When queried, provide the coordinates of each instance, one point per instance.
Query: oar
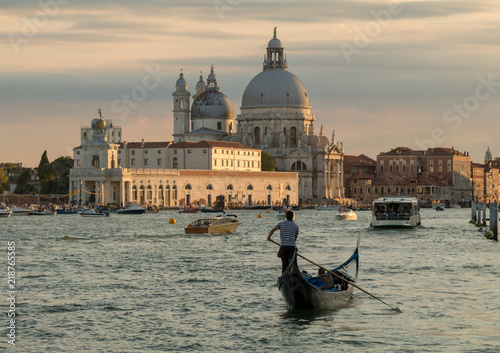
(343, 279)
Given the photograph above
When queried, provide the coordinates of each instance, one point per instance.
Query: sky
(382, 74)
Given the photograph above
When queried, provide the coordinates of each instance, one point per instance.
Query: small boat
(210, 210)
(439, 208)
(346, 214)
(132, 209)
(327, 208)
(66, 211)
(189, 210)
(215, 225)
(20, 211)
(151, 210)
(5, 213)
(42, 213)
(395, 211)
(93, 213)
(303, 291)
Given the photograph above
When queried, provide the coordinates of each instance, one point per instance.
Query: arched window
(150, 192)
(269, 187)
(134, 193)
(230, 187)
(188, 187)
(174, 189)
(210, 187)
(288, 187)
(250, 187)
(256, 136)
(293, 136)
(175, 163)
(299, 166)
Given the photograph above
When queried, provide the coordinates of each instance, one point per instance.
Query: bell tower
(181, 109)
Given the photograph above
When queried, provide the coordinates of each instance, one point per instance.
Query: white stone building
(169, 174)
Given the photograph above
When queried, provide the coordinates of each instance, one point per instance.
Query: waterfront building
(169, 174)
(359, 173)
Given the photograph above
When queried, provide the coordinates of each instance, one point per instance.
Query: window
(146, 161)
(159, 161)
(189, 151)
(119, 151)
(95, 162)
(133, 152)
(146, 152)
(269, 187)
(175, 151)
(78, 162)
(85, 134)
(256, 136)
(119, 163)
(210, 187)
(219, 125)
(132, 161)
(188, 187)
(230, 187)
(204, 150)
(77, 152)
(159, 151)
(293, 136)
(250, 187)
(175, 163)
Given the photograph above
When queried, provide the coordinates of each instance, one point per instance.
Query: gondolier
(289, 231)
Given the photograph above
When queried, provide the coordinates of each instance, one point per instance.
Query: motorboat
(42, 212)
(215, 225)
(346, 214)
(92, 212)
(439, 208)
(189, 210)
(395, 211)
(131, 209)
(5, 213)
(17, 211)
(327, 208)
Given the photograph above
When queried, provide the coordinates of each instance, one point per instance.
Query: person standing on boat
(289, 231)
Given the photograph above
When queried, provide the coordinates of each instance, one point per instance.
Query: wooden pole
(494, 219)
(472, 209)
(484, 214)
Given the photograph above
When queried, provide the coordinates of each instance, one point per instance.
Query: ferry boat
(215, 225)
(395, 211)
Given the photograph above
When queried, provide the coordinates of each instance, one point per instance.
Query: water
(138, 284)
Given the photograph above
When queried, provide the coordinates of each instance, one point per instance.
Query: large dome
(212, 104)
(275, 88)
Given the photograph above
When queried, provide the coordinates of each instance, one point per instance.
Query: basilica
(212, 153)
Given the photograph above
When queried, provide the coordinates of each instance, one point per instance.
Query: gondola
(303, 291)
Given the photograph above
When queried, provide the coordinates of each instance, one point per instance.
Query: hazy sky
(381, 74)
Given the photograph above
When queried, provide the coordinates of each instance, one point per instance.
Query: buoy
(260, 216)
(172, 221)
(267, 211)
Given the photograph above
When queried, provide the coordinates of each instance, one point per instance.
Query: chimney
(142, 143)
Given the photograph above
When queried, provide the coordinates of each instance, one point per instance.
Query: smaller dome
(181, 81)
(201, 84)
(275, 43)
(100, 124)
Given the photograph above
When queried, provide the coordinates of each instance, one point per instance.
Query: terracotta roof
(360, 160)
(146, 144)
(205, 144)
(405, 151)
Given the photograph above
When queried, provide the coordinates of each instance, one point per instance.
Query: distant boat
(346, 215)
(93, 213)
(5, 213)
(189, 210)
(20, 211)
(327, 208)
(132, 209)
(215, 225)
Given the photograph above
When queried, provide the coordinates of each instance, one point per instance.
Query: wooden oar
(343, 279)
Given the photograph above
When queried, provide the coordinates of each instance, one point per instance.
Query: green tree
(61, 167)
(268, 162)
(22, 183)
(48, 178)
(4, 181)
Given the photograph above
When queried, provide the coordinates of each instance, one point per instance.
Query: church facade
(275, 118)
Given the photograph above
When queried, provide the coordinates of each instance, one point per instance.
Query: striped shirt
(288, 230)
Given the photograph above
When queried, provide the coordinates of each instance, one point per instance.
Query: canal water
(136, 283)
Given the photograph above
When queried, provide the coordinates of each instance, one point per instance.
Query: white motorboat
(5, 213)
(132, 209)
(346, 214)
(17, 211)
(395, 211)
(93, 213)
